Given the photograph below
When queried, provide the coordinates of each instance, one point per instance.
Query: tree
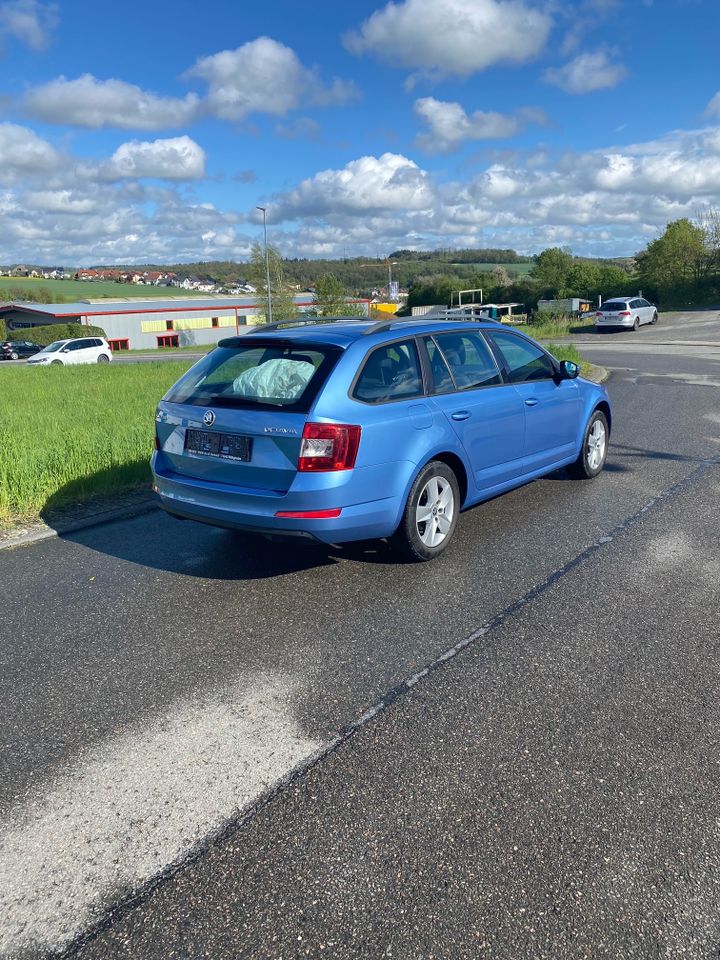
(500, 276)
(676, 261)
(283, 306)
(552, 269)
(330, 296)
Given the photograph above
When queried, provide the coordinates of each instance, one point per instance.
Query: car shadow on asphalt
(157, 541)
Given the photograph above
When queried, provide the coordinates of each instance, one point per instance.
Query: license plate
(226, 446)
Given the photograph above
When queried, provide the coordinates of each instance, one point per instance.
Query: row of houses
(142, 278)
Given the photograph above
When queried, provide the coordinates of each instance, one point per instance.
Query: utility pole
(267, 264)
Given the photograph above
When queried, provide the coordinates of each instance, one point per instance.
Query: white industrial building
(143, 324)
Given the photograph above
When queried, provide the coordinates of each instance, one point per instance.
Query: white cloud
(263, 76)
(362, 187)
(587, 72)
(60, 201)
(58, 208)
(452, 37)
(178, 158)
(89, 102)
(449, 125)
(713, 108)
(23, 152)
(28, 21)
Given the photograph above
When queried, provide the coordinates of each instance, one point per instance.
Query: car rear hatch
(237, 417)
(612, 308)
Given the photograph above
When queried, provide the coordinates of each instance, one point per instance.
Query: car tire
(654, 318)
(436, 495)
(14, 356)
(636, 324)
(56, 363)
(103, 359)
(593, 452)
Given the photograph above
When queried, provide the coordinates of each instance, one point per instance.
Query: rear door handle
(531, 401)
(460, 415)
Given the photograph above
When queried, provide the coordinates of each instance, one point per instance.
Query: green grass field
(71, 433)
(514, 269)
(68, 290)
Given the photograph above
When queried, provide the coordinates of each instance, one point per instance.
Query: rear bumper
(361, 518)
(621, 322)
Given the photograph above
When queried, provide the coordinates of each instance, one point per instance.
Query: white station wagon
(629, 312)
(82, 350)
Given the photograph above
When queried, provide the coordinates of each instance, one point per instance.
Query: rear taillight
(599, 313)
(328, 446)
(624, 313)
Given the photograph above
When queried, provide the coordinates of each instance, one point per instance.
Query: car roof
(342, 332)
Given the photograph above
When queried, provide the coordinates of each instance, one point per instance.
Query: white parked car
(83, 350)
(629, 312)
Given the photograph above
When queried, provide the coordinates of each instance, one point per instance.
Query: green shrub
(56, 331)
(3, 330)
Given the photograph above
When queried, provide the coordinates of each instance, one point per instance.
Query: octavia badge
(208, 418)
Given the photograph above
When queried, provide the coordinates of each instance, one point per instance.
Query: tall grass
(71, 433)
(547, 325)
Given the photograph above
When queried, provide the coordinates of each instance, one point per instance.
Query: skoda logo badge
(208, 418)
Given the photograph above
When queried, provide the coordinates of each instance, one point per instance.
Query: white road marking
(138, 804)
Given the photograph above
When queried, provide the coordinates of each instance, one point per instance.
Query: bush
(55, 331)
(3, 330)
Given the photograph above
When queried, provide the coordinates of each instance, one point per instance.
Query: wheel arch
(457, 466)
(604, 407)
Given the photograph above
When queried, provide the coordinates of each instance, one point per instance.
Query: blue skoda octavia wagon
(355, 430)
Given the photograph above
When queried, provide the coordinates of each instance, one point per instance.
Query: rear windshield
(613, 306)
(257, 374)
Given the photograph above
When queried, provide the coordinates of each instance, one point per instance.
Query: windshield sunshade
(259, 373)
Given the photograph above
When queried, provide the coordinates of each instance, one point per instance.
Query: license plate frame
(219, 446)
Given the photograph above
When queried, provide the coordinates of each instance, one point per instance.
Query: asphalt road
(547, 789)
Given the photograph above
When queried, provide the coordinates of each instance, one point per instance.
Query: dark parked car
(16, 349)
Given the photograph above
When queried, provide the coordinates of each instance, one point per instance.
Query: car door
(647, 310)
(86, 351)
(71, 352)
(552, 406)
(486, 414)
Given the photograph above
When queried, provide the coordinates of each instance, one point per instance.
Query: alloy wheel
(435, 511)
(596, 445)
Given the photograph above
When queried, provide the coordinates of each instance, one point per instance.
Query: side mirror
(569, 370)
(65, 350)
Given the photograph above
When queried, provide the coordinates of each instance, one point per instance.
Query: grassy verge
(566, 351)
(71, 433)
(547, 329)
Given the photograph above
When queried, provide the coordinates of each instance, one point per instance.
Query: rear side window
(525, 362)
(470, 360)
(267, 374)
(391, 372)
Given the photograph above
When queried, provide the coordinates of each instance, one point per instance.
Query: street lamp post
(267, 264)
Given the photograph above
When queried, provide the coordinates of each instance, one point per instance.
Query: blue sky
(150, 134)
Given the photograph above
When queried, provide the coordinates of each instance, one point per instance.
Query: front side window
(470, 360)
(55, 346)
(525, 362)
(266, 374)
(391, 372)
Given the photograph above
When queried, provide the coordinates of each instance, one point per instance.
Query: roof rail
(451, 313)
(304, 322)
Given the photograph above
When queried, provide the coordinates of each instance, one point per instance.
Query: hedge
(55, 331)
